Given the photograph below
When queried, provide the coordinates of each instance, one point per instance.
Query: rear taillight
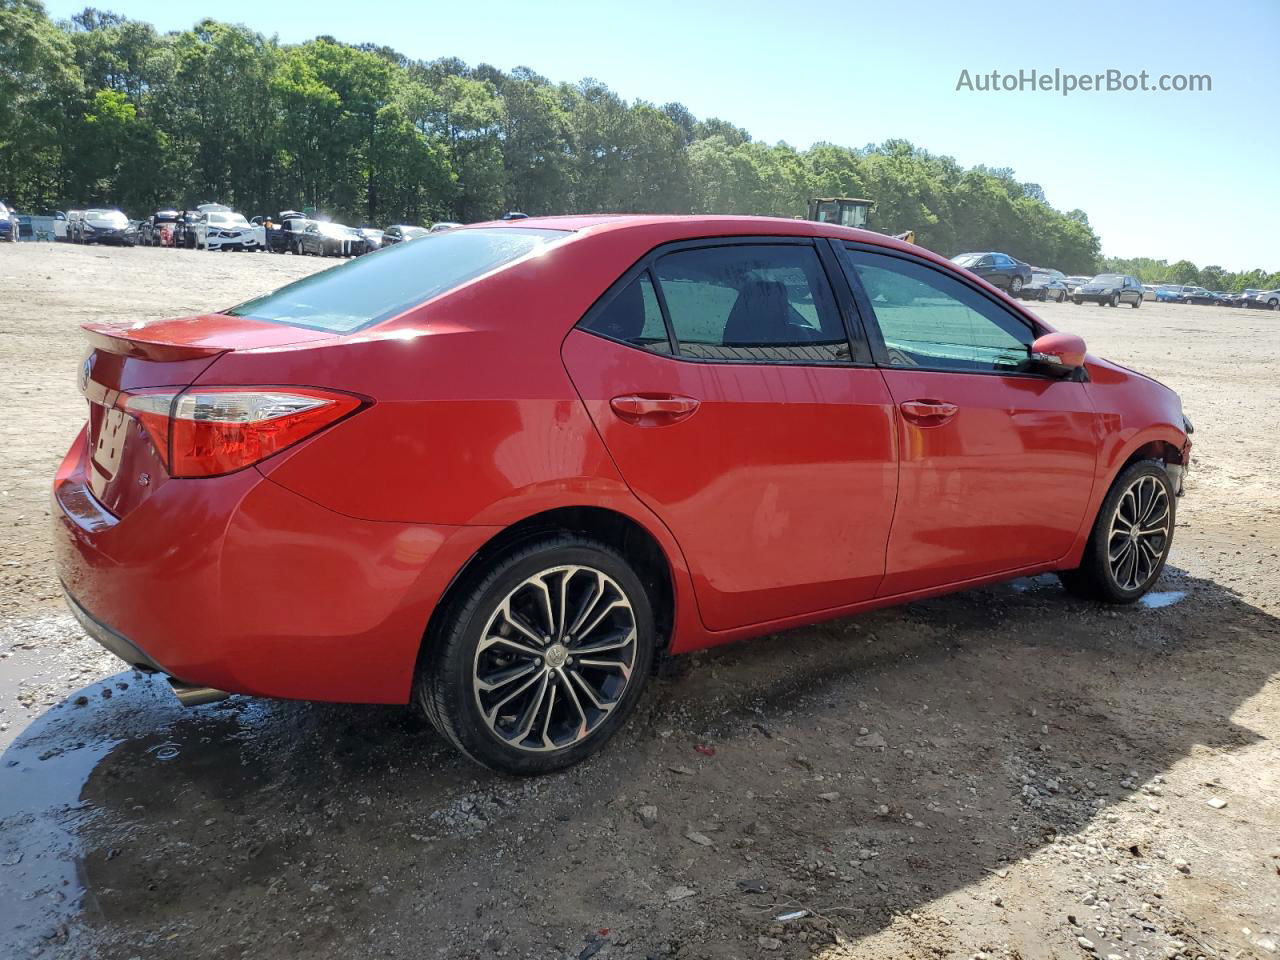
(208, 431)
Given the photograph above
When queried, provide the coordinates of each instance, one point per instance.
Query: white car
(226, 230)
(1269, 299)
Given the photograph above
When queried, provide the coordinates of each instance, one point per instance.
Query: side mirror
(1059, 352)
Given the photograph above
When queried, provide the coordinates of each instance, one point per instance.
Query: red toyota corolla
(498, 470)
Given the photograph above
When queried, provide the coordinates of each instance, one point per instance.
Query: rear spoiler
(135, 343)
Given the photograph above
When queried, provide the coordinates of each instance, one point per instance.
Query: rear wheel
(540, 661)
(1131, 537)
(1136, 304)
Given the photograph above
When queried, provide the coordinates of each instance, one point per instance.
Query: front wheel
(538, 663)
(1131, 537)
(1015, 286)
(1115, 300)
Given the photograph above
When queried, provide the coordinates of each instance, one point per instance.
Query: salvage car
(276, 231)
(1109, 290)
(998, 269)
(158, 229)
(400, 232)
(1270, 299)
(8, 224)
(227, 230)
(1043, 285)
(496, 472)
(325, 239)
(1197, 295)
(98, 225)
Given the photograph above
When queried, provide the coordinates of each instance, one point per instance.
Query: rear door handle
(928, 413)
(653, 410)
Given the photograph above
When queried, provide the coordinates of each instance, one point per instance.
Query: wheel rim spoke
(501, 678)
(1139, 533)
(556, 657)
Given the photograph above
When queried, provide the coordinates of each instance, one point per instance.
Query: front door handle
(654, 409)
(928, 413)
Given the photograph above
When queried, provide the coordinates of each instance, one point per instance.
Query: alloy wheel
(1139, 533)
(555, 658)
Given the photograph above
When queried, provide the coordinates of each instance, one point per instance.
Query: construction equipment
(848, 212)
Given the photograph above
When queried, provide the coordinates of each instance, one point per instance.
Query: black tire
(1015, 286)
(1136, 304)
(1115, 300)
(1077, 301)
(1095, 578)
(1274, 304)
(446, 687)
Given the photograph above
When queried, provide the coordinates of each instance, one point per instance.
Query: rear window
(380, 285)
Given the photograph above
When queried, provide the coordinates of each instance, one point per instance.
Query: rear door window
(752, 302)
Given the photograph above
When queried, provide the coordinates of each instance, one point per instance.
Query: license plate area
(108, 447)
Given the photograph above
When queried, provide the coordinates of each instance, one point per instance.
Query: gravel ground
(1003, 773)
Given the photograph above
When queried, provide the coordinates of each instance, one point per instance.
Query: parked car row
(215, 226)
(1022, 280)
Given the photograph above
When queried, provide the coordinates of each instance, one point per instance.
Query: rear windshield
(380, 285)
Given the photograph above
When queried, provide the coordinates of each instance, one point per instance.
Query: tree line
(102, 109)
(1212, 277)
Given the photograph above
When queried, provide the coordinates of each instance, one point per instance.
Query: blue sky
(1172, 175)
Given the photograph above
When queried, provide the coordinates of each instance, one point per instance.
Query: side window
(633, 316)
(752, 302)
(931, 320)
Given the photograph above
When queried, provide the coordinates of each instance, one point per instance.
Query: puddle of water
(54, 732)
(1162, 598)
(1044, 581)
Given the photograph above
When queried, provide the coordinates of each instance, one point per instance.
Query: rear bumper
(239, 584)
(114, 642)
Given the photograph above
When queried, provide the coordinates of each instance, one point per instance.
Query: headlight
(88, 228)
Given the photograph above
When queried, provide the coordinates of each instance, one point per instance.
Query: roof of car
(677, 227)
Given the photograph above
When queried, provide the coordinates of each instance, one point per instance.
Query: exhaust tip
(190, 696)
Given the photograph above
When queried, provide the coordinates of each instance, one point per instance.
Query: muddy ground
(1005, 773)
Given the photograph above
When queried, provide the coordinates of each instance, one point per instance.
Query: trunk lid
(124, 468)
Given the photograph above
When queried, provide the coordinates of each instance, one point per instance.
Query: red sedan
(498, 470)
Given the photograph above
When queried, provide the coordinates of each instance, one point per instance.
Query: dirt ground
(1004, 773)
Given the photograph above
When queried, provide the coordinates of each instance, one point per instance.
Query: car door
(741, 408)
(996, 461)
